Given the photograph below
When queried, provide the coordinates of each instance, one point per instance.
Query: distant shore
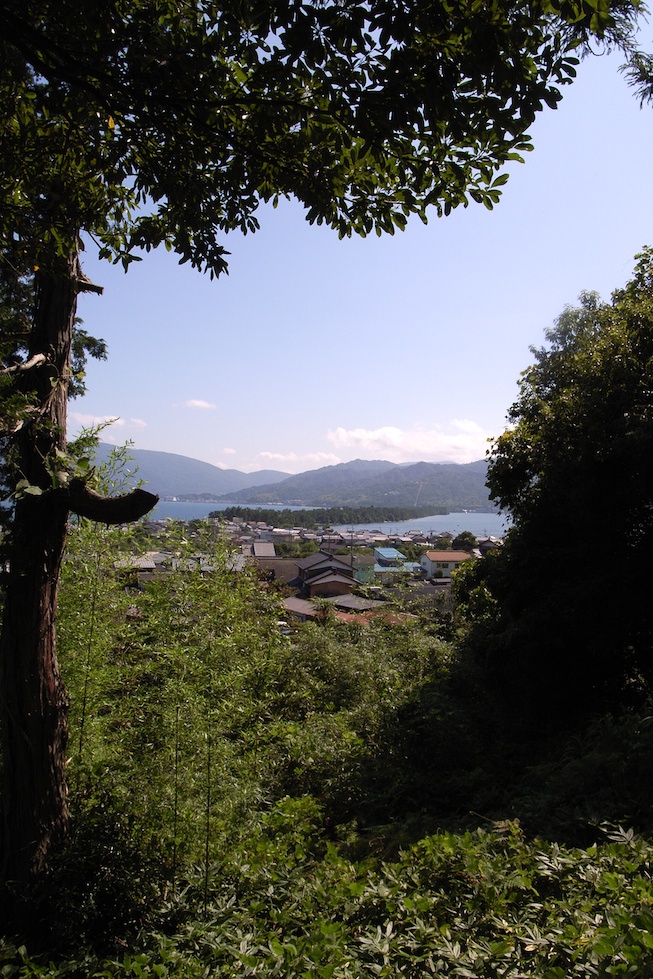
(481, 524)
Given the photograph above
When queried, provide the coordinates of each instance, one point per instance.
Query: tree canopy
(154, 122)
(575, 470)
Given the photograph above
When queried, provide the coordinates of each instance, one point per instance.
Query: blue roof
(390, 553)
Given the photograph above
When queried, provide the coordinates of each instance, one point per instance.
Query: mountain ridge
(172, 475)
(378, 483)
(361, 482)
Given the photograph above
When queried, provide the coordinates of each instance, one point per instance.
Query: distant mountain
(169, 474)
(332, 484)
(359, 483)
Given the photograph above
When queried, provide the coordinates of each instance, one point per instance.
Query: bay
(480, 524)
(178, 510)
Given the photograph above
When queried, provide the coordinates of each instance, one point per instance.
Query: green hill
(169, 474)
(360, 483)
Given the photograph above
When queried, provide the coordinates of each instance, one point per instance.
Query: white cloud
(114, 430)
(229, 452)
(299, 462)
(92, 421)
(461, 440)
(197, 403)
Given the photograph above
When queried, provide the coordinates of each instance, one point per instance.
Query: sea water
(480, 524)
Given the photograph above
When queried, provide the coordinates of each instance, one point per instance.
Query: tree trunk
(33, 700)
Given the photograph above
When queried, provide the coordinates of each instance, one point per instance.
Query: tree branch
(84, 284)
(32, 362)
(108, 509)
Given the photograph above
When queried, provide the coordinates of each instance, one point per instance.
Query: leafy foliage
(574, 625)
(198, 658)
(246, 802)
(465, 541)
(151, 124)
(475, 905)
(321, 516)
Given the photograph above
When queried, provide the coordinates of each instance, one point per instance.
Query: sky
(315, 351)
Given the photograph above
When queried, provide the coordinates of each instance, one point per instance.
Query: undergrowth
(345, 801)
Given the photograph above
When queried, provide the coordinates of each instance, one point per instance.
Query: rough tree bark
(33, 699)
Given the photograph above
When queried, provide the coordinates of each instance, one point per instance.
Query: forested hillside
(444, 487)
(344, 800)
(169, 474)
(465, 791)
(439, 487)
(321, 516)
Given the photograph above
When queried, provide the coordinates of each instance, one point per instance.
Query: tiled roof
(450, 556)
(355, 602)
(300, 606)
(134, 563)
(308, 562)
(329, 575)
(264, 549)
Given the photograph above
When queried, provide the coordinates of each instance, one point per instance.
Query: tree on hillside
(575, 470)
(465, 541)
(149, 122)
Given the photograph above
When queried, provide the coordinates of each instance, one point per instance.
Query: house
(282, 569)
(322, 575)
(356, 603)
(486, 544)
(263, 549)
(301, 609)
(388, 557)
(332, 542)
(439, 536)
(136, 571)
(389, 562)
(161, 558)
(316, 564)
(237, 562)
(330, 583)
(134, 563)
(440, 564)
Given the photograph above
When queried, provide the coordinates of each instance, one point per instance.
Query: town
(357, 575)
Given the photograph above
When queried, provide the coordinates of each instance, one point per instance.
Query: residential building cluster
(354, 572)
(246, 534)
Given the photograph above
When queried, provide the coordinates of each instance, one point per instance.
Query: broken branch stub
(85, 502)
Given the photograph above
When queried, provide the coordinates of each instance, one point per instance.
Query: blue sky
(314, 351)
